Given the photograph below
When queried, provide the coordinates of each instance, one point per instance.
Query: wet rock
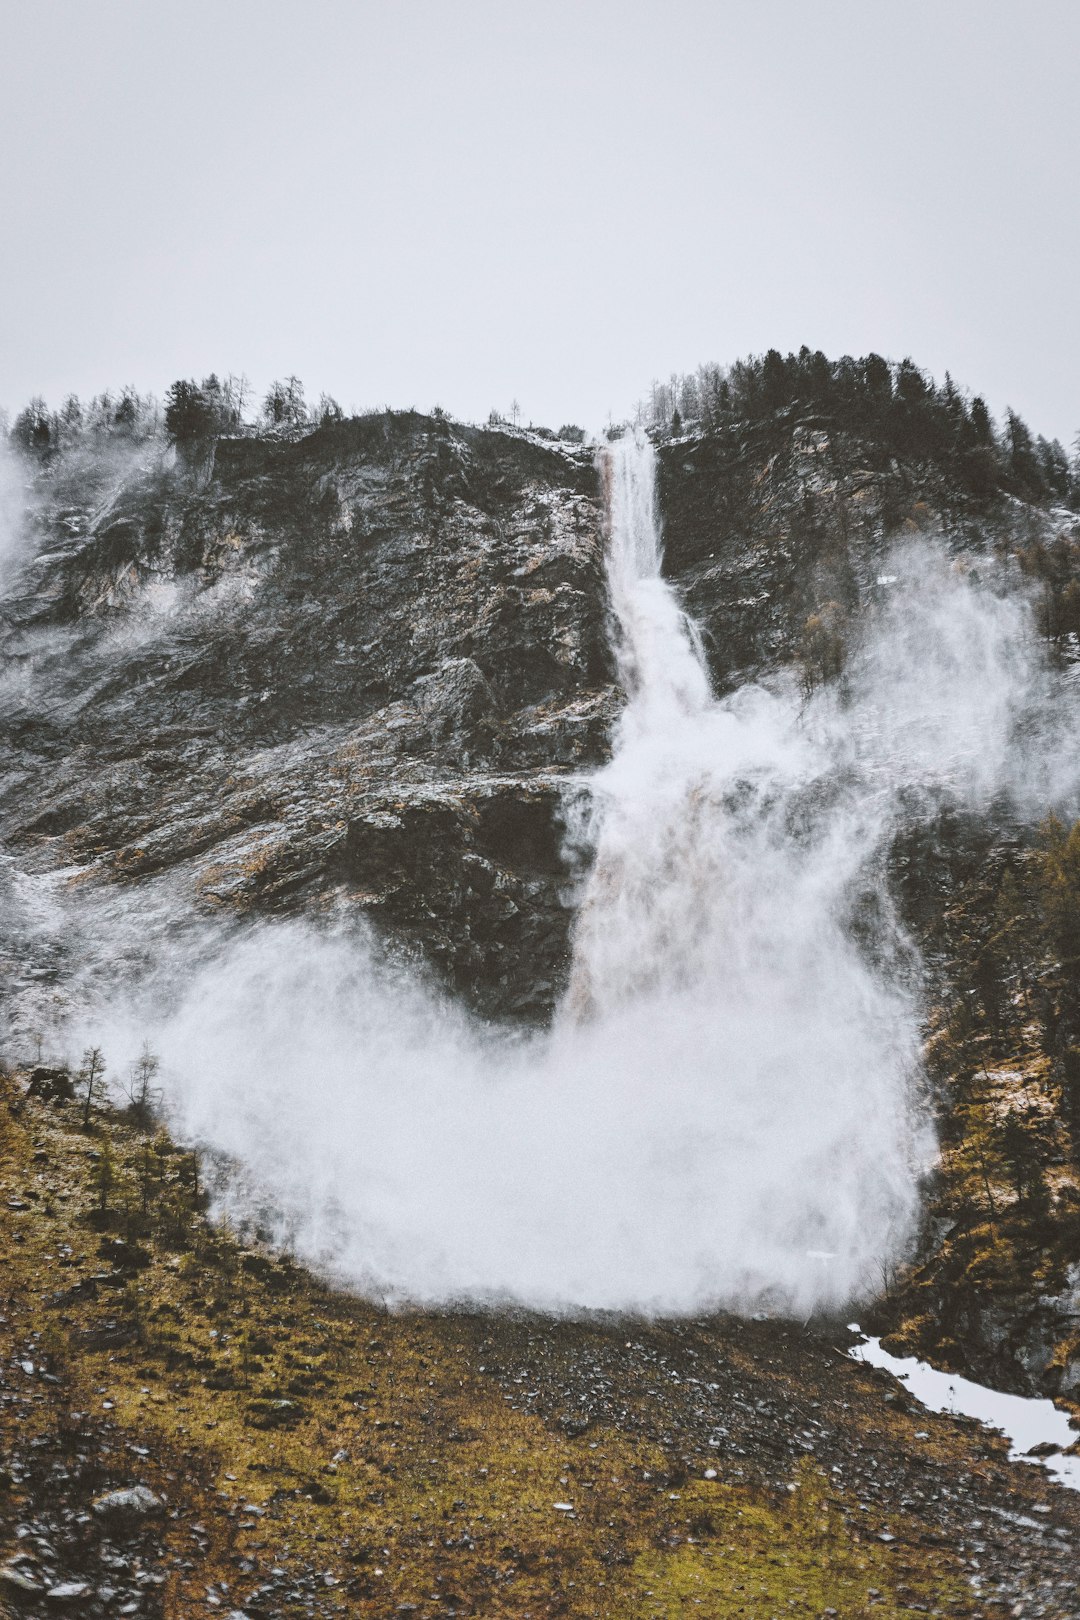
(51, 1084)
(67, 1592)
(456, 702)
(1070, 1379)
(387, 612)
(16, 1579)
(133, 1501)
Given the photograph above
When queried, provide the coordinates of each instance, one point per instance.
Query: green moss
(799, 1557)
(377, 1452)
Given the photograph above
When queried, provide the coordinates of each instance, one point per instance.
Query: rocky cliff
(363, 663)
(371, 668)
(777, 534)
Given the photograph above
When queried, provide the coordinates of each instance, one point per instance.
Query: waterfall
(659, 662)
(722, 1115)
(715, 961)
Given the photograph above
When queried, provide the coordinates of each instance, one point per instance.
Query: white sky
(458, 203)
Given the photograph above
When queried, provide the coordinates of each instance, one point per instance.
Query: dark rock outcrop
(365, 660)
(777, 534)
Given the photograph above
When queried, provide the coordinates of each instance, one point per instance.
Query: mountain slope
(366, 670)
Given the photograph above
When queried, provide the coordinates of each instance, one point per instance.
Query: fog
(12, 525)
(729, 1108)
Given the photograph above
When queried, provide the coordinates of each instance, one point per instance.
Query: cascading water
(668, 694)
(713, 952)
(661, 668)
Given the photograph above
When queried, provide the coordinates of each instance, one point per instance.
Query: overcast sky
(463, 202)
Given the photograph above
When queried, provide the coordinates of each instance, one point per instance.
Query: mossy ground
(1000, 1246)
(324, 1456)
(998, 917)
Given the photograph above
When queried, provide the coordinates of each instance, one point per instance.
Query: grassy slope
(1003, 1211)
(999, 1254)
(401, 1471)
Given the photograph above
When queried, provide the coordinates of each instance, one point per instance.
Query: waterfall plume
(726, 1110)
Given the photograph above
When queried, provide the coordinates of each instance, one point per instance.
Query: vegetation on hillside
(313, 1454)
(893, 405)
(192, 416)
(1003, 1054)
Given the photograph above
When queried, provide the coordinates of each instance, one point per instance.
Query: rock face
(371, 668)
(777, 536)
(133, 1502)
(366, 662)
(374, 662)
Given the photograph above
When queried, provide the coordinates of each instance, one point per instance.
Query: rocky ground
(282, 1449)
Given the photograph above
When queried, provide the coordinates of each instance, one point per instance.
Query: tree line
(893, 403)
(192, 415)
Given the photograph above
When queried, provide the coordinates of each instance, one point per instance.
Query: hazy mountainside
(778, 537)
(343, 659)
(368, 665)
(360, 661)
(811, 516)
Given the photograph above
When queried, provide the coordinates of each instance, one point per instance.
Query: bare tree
(143, 1096)
(285, 408)
(237, 391)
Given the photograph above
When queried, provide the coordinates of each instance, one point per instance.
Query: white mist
(723, 1113)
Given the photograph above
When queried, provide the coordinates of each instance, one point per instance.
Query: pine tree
(774, 381)
(1022, 461)
(982, 426)
(189, 416)
(33, 430)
